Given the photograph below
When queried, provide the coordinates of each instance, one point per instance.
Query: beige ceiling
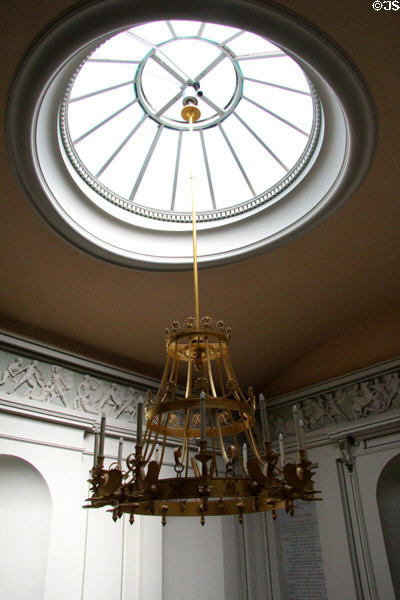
(319, 306)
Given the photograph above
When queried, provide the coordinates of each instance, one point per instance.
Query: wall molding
(364, 403)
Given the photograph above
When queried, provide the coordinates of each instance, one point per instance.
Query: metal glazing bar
(123, 143)
(275, 85)
(172, 30)
(106, 120)
(211, 66)
(200, 31)
(177, 161)
(232, 37)
(102, 91)
(235, 156)
(289, 123)
(169, 104)
(167, 68)
(210, 103)
(257, 55)
(114, 60)
(146, 162)
(260, 141)
(206, 163)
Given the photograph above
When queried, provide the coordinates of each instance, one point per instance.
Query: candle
(102, 434)
(264, 420)
(203, 417)
(121, 441)
(157, 453)
(139, 422)
(296, 419)
(302, 435)
(244, 452)
(96, 446)
(282, 449)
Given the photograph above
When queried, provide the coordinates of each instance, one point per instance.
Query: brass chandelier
(235, 471)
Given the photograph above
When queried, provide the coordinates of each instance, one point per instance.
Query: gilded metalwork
(257, 486)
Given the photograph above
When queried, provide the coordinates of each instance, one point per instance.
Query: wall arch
(388, 498)
(25, 517)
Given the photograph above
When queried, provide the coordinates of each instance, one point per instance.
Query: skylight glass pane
(229, 184)
(97, 147)
(123, 171)
(87, 113)
(218, 33)
(192, 161)
(262, 170)
(153, 33)
(249, 43)
(286, 143)
(97, 76)
(294, 108)
(283, 71)
(219, 83)
(155, 191)
(186, 28)
(120, 47)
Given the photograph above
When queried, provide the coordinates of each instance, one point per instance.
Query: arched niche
(388, 498)
(25, 514)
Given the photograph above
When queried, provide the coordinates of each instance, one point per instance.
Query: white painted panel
(369, 467)
(103, 557)
(150, 583)
(333, 534)
(193, 560)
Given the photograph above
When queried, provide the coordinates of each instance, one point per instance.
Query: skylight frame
(215, 214)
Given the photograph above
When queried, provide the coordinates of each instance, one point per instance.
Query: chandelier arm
(185, 433)
(221, 439)
(146, 438)
(164, 440)
(166, 374)
(214, 415)
(250, 439)
(220, 374)
(237, 446)
(153, 445)
(209, 369)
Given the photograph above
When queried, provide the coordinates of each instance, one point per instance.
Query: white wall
(25, 516)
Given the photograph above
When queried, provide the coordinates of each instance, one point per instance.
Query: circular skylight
(122, 128)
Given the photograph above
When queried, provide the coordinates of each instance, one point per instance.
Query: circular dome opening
(94, 129)
(122, 127)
